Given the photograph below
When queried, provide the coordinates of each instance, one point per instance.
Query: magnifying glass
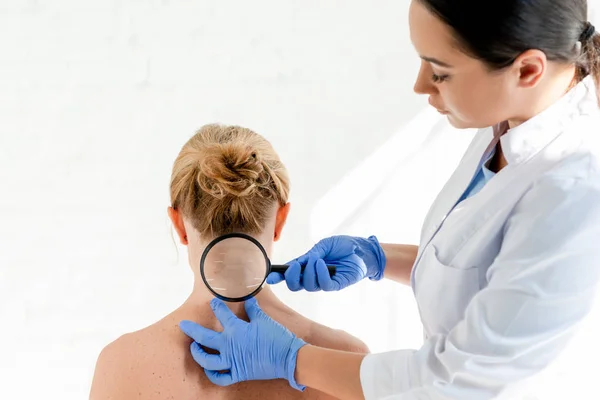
(235, 267)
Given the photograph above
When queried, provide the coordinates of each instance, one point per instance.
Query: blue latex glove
(355, 258)
(261, 349)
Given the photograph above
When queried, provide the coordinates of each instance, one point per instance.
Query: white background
(96, 99)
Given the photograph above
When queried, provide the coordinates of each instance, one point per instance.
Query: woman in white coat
(507, 271)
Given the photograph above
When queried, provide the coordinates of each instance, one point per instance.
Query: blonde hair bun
(227, 178)
(230, 169)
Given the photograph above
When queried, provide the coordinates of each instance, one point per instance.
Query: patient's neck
(201, 297)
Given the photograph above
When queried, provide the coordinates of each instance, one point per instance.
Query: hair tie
(587, 33)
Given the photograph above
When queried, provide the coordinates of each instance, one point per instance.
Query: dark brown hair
(498, 31)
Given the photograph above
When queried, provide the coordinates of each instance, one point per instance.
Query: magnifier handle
(282, 268)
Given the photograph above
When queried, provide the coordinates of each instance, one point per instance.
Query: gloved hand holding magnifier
(235, 266)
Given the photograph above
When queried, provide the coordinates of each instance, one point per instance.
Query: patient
(225, 179)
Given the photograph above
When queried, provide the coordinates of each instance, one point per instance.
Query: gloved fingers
(321, 249)
(225, 316)
(206, 360)
(202, 335)
(253, 310)
(340, 247)
(330, 249)
(219, 378)
(325, 281)
(292, 277)
(274, 278)
(302, 260)
(344, 279)
(309, 276)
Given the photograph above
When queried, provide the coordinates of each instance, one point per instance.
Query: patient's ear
(177, 220)
(282, 213)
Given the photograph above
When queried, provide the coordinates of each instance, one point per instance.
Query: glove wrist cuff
(380, 259)
(291, 363)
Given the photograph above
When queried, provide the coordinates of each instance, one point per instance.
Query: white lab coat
(506, 281)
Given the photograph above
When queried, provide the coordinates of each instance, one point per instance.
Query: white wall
(97, 97)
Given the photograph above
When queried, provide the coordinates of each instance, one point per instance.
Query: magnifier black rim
(228, 236)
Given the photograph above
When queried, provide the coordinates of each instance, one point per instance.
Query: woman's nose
(423, 84)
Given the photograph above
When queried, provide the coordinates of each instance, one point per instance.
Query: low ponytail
(590, 40)
(594, 61)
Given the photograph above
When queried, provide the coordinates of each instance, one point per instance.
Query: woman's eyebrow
(436, 61)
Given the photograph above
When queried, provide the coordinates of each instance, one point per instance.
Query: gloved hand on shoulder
(261, 349)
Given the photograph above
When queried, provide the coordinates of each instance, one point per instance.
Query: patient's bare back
(155, 362)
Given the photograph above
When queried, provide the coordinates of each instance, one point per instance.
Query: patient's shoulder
(115, 375)
(137, 365)
(137, 348)
(315, 333)
(336, 339)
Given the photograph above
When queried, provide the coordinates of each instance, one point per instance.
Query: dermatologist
(507, 270)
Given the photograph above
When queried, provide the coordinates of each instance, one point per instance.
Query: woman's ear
(177, 221)
(531, 66)
(282, 213)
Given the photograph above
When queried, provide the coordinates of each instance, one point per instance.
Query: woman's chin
(457, 123)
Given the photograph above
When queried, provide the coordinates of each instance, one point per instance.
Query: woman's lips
(443, 112)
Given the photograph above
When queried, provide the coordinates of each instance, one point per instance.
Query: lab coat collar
(524, 141)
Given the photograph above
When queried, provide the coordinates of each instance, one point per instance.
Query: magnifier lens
(234, 268)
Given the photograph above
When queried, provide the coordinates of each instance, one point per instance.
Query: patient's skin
(155, 362)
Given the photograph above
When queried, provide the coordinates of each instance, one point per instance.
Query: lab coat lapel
(506, 187)
(456, 185)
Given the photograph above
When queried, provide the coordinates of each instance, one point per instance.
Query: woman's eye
(439, 78)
